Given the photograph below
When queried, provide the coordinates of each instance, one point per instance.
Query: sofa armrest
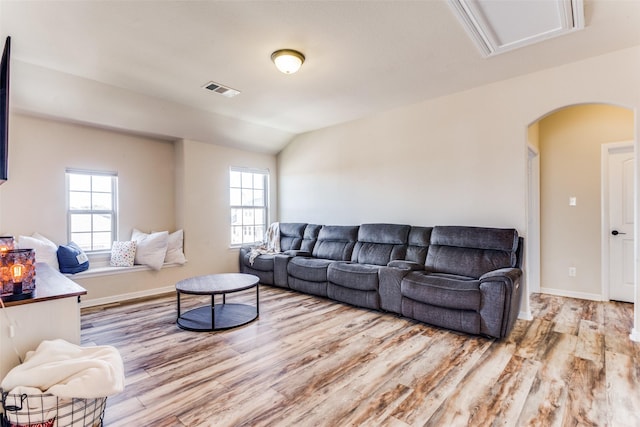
(242, 254)
(512, 274)
(389, 282)
(405, 265)
(280, 263)
(501, 293)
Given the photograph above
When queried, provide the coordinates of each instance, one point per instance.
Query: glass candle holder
(7, 243)
(18, 271)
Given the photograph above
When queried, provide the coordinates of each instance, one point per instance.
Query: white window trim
(115, 208)
(267, 199)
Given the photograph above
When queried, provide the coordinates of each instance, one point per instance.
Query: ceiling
(140, 66)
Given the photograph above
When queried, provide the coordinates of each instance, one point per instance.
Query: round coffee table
(215, 317)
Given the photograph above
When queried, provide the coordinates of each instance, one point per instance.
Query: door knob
(616, 232)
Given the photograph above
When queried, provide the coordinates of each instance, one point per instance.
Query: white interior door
(621, 219)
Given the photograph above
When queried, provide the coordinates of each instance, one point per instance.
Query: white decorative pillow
(150, 248)
(175, 251)
(123, 254)
(46, 251)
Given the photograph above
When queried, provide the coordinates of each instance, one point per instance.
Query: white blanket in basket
(67, 370)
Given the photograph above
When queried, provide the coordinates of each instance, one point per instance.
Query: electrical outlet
(572, 272)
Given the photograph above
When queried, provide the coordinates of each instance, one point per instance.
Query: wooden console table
(53, 312)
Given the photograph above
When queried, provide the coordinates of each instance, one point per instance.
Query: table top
(217, 283)
(50, 285)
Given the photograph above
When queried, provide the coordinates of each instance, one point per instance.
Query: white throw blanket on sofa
(270, 244)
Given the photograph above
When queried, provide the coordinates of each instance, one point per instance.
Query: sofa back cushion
(419, 239)
(336, 242)
(471, 251)
(291, 234)
(310, 237)
(380, 243)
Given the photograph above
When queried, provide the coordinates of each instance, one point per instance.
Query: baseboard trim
(572, 294)
(524, 315)
(128, 296)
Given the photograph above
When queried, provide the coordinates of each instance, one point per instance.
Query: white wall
(203, 201)
(34, 198)
(163, 185)
(570, 156)
(459, 159)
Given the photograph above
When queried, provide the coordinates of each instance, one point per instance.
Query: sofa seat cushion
(362, 277)
(442, 290)
(309, 269)
(308, 287)
(263, 262)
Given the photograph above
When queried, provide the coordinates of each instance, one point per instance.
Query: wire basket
(47, 410)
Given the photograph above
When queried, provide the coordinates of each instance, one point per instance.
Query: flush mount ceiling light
(501, 26)
(287, 61)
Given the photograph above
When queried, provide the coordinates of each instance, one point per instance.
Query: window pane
(258, 197)
(259, 217)
(102, 241)
(80, 222)
(247, 217)
(247, 180)
(96, 196)
(236, 216)
(82, 239)
(235, 197)
(258, 181)
(235, 179)
(101, 183)
(247, 235)
(247, 190)
(79, 182)
(102, 222)
(102, 201)
(79, 200)
(236, 235)
(259, 233)
(247, 197)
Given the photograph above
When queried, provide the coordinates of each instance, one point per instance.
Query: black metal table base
(225, 316)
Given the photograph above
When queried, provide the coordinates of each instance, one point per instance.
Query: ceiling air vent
(500, 26)
(222, 90)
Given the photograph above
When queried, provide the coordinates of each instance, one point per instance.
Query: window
(248, 191)
(91, 209)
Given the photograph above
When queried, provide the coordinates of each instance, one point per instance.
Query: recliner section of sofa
(272, 268)
(356, 282)
(309, 273)
(462, 278)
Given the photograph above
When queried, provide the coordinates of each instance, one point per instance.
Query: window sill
(107, 270)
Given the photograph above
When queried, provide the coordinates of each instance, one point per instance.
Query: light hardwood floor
(309, 361)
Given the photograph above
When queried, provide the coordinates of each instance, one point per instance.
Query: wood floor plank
(308, 361)
(546, 402)
(622, 390)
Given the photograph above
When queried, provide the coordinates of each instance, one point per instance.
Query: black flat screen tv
(4, 110)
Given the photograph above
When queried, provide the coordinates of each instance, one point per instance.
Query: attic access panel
(497, 26)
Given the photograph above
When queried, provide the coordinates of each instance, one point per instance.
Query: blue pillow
(72, 259)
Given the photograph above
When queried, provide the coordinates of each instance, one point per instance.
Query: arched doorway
(565, 214)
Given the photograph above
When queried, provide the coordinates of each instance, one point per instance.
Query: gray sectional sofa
(462, 278)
